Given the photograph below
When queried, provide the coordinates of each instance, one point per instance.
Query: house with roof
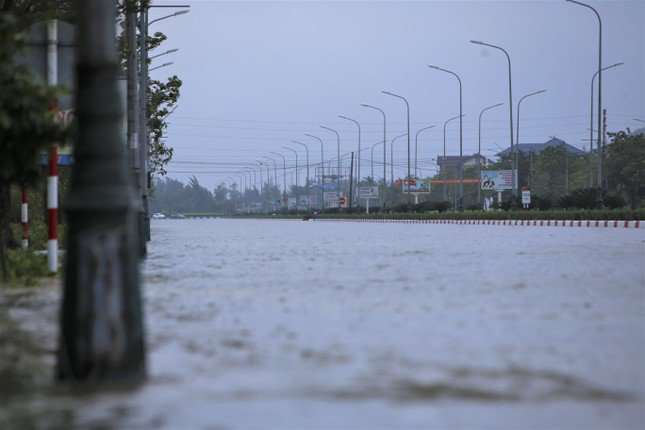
(536, 148)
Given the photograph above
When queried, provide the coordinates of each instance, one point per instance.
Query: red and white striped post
(24, 217)
(52, 211)
(52, 179)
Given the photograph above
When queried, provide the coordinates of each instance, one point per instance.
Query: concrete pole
(101, 337)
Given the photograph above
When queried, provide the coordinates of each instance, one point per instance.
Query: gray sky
(260, 74)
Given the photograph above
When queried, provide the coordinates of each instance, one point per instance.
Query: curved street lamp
(510, 107)
(384, 142)
(479, 148)
(295, 152)
(517, 135)
(599, 202)
(407, 105)
(461, 140)
(338, 150)
(392, 156)
(445, 193)
(591, 124)
(284, 172)
(358, 175)
(322, 168)
(416, 147)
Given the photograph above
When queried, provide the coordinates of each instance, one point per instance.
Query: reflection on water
(310, 324)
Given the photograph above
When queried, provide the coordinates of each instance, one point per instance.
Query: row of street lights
(513, 142)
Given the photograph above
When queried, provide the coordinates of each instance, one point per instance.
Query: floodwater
(291, 324)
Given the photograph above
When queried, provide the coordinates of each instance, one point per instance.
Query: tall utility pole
(143, 120)
(133, 114)
(307, 184)
(101, 337)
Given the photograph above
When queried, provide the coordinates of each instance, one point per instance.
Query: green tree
(27, 123)
(625, 165)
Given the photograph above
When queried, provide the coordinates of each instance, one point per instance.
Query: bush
(25, 267)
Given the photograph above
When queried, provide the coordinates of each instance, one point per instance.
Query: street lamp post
(170, 51)
(416, 147)
(338, 151)
(372, 164)
(275, 171)
(284, 172)
(392, 157)
(599, 202)
(407, 106)
(358, 163)
(510, 109)
(296, 153)
(461, 141)
(306, 183)
(384, 145)
(517, 134)
(322, 168)
(591, 124)
(445, 193)
(479, 149)
(163, 65)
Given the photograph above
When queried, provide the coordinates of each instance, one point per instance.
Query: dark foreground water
(290, 324)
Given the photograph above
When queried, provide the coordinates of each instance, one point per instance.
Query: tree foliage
(27, 122)
(626, 164)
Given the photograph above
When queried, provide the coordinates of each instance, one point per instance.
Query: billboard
(416, 186)
(367, 192)
(303, 200)
(313, 199)
(291, 202)
(497, 179)
(330, 197)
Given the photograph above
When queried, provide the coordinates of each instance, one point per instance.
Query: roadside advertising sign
(330, 197)
(526, 196)
(367, 192)
(291, 203)
(304, 200)
(416, 186)
(256, 207)
(313, 199)
(497, 179)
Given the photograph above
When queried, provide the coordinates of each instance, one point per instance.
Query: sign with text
(497, 179)
(313, 199)
(416, 186)
(367, 192)
(330, 197)
(291, 203)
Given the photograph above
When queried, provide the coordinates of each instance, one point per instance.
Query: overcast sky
(257, 75)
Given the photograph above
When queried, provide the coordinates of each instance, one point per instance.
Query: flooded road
(290, 324)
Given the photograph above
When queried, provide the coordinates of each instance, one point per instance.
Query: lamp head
(181, 12)
(477, 42)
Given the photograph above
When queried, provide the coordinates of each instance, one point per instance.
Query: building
(454, 161)
(526, 148)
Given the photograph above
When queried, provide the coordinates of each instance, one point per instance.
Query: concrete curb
(539, 223)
